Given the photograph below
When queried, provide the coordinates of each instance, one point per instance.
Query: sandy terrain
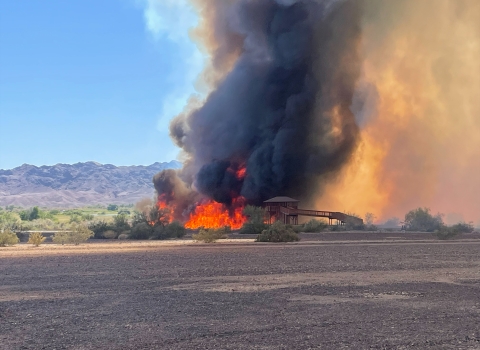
(380, 292)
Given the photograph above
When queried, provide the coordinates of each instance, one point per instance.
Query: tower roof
(281, 200)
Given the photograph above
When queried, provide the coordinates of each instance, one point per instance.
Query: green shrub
(99, 228)
(80, 234)
(211, 235)
(278, 232)
(314, 226)
(60, 238)
(175, 230)
(36, 238)
(120, 223)
(8, 237)
(463, 227)
(77, 235)
(446, 232)
(141, 230)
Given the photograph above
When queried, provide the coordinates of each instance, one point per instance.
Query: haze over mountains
(80, 184)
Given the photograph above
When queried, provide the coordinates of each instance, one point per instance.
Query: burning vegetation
(277, 120)
(341, 104)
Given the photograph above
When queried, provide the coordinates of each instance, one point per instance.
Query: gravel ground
(389, 293)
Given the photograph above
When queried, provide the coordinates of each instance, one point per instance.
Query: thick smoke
(418, 107)
(283, 109)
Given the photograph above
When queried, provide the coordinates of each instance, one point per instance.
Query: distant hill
(80, 184)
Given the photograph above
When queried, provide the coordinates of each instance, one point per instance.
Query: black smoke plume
(283, 111)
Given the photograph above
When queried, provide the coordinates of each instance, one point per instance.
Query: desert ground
(329, 291)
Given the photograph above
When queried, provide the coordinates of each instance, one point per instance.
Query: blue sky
(93, 80)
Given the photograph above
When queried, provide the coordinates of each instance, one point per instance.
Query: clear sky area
(90, 80)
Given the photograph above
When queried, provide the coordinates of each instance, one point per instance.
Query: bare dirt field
(327, 292)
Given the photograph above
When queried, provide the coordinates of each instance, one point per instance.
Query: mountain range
(80, 184)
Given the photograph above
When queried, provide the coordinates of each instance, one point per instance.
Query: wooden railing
(335, 215)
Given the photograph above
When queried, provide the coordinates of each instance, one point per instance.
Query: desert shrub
(446, 232)
(449, 232)
(211, 235)
(79, 234)
(123, 236)
(36, 238)
(99, 228)
(278, 232)
(109, 234)
(314, 226)
(120, 223)
(7, 238)
(297, 228)
(158, 232)
(463, 227)
(255, 223)
(175, 230)
(141, 230)
(421, 220)
(252, 228)
(60, 238)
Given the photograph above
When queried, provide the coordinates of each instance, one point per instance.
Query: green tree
(421, 220)
(10, 221)
(255, 223)
(112, 207)
(34, 214)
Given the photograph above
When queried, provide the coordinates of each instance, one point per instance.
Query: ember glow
(217, 215)
(241, 173)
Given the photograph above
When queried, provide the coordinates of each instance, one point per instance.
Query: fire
(241, 173)
(217, 215)
(165, 208)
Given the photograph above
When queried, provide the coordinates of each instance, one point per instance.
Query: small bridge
(287, 209)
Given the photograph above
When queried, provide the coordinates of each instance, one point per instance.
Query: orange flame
(241, 173)
(217, 215)
(162, 205)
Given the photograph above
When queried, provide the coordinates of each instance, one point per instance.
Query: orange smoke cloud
(419, 111)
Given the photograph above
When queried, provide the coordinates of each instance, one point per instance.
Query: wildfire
(216, 215)
(163, 206)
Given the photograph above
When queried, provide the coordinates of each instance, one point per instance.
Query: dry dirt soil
(388, 293)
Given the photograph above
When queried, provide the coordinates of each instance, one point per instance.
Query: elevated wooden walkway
(286, 208)
(291, 214)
